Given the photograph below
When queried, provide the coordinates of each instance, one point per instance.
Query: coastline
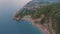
(29, 19)
(35, 22)
(39, 26)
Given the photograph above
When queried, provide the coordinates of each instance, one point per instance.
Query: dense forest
(52, 13)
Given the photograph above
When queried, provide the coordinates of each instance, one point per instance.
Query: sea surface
(10, 26)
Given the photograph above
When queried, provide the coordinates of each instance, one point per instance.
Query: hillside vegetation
(52, 16)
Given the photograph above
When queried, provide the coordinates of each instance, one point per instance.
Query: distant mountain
(37, 2)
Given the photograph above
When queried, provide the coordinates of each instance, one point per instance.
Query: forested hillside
(52, 16)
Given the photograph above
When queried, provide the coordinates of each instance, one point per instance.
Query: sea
(10, 26)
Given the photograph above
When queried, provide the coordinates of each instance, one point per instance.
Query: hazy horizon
(7, 5)
(17, 3)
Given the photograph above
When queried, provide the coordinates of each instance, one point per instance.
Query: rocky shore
(38, 25)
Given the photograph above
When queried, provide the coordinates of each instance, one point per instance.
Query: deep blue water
(9, 26)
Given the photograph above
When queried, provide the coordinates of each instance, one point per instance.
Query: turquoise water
(9, 26)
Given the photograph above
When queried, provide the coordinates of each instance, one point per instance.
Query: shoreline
(29, 19)
(39, 26)
(35, 22)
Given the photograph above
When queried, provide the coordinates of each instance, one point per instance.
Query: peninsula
(45, 16)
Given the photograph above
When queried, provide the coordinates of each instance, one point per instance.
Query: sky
(18, 3)
(10, 5)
